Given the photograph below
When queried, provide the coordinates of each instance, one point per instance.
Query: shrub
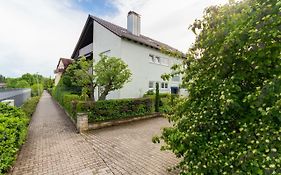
(149, 92)
(22, 84)
(66, 99)
(230, 122)
(30, 105)
(13, 131)
(166, 102)
(68, 102)
(117, 109)
(37, 89)
(157, 98)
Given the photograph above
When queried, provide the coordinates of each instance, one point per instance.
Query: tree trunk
(104, 94)
(92, 91)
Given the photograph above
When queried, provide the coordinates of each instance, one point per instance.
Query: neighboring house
(142, 54)
(61, 67)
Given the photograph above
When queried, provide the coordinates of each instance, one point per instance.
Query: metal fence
(19, 96)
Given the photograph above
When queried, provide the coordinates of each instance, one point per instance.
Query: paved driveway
(54, 147)
(128, 149)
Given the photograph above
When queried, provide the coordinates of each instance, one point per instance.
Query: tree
(2, 79)
(31, 79)
(230, 122)
(48, 83)
(11, 82)
(22, 84)
(108, 74)
(157, 98)
(79, 77)
(37, 89)
(111, 73)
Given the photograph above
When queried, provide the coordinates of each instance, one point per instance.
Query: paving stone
(128, 148)
(54, 147)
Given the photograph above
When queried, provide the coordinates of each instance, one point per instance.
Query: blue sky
(36, 33)
(97, 7)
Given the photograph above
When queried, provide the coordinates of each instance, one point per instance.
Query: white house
(142, 54)
(61, 67)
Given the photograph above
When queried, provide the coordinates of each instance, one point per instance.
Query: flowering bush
(230, 123)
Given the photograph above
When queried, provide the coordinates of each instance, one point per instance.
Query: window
(162, 85)
(158, 60)
(151, 58)
(151, 84)
(164, 61)
(176, 78)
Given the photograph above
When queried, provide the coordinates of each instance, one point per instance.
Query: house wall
(59, 74)
(138, 60)
(57, 78)
(143, 70)
(106, 41)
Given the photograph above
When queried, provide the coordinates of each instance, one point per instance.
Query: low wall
(18, 95)
(83, 125)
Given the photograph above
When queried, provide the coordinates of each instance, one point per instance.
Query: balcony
(86, 50)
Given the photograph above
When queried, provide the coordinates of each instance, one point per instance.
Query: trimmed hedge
(116, 109)
(13, 131)
(30, 105)
(167, 101)
(66, 99)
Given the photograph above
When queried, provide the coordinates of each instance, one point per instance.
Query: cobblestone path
(54, 147)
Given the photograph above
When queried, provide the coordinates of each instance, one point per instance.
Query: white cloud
(164, 20)
(36, 33)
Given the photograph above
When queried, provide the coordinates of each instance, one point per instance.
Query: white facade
(142, 54)
(144, 69)
(58, 73)
(57, 77)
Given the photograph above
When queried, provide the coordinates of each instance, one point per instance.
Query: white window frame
(176, 78)
(166, 86)
(150, 84)
(158, 60)
(151, 58)
(164, 61)
(162, 85)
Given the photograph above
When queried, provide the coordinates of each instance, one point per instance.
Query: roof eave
(81, 35)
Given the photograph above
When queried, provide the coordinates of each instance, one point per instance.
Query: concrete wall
(18, 95)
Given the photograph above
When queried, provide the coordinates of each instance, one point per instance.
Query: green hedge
(116, 109)
(30, 105)
(13, 131)
(167, 101)
(37, 88)
(65, 99)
